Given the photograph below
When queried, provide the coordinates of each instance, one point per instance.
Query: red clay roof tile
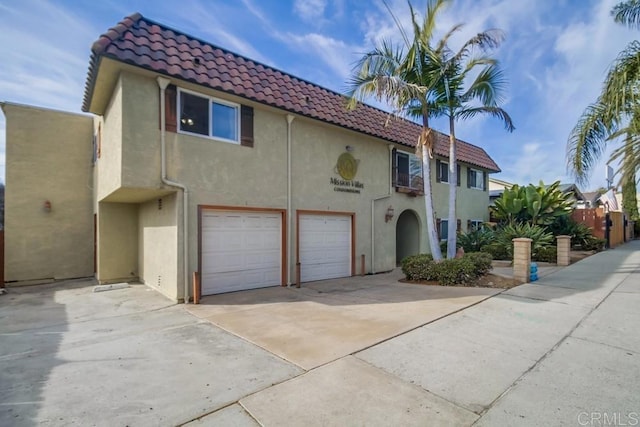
(144, 43)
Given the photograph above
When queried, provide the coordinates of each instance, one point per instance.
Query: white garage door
(240, 250)
(325, 247)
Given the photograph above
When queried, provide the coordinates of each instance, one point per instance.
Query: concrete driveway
(125, 357)
(69, 356)
(324, 321)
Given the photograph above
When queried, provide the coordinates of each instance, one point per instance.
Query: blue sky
(555, 56)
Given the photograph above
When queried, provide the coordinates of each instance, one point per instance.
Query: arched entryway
(407, 235)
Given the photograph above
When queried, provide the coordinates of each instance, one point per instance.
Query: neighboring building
(206, 161)
(591, 200)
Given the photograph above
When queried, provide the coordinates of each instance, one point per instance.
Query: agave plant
(475, 240)
(539, 235)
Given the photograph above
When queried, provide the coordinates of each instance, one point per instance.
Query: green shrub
(594, 244)
(417, 267)
(539, 236)
(497, 251)
(546, 254)
(449, 271)
(481, 262)
(454, 271)
(475, 240)
(443, 247)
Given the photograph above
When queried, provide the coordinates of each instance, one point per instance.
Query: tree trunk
(432, 234)
(453, 187)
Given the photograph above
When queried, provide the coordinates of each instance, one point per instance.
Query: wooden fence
(618, 231)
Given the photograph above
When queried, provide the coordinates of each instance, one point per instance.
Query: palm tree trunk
(432, 234)
(453, 187)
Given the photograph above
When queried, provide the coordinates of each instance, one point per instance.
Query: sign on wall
(347, 168)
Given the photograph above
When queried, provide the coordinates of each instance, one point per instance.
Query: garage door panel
(240, 250)
(324, 246)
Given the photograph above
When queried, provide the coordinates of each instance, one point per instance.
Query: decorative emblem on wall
(347, 166)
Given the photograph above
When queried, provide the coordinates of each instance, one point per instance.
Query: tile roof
(147, 44)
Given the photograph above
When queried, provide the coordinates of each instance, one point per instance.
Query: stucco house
(196, 159)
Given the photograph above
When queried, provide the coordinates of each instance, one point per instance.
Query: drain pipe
(163, 83)
(290, 118)
(373, 202)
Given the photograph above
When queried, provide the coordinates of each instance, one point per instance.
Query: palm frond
(488, 86)
(493, 111)
(627, 13)
(588, 140)
(620, 91)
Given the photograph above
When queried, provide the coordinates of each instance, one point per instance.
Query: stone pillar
(521, 258)
(564, 250)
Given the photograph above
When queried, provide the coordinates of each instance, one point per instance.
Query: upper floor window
(442, 169)
(475, 179)
(442, 172)
(409, 171)
(202, 115)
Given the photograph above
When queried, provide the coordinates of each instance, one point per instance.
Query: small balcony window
(409, 172)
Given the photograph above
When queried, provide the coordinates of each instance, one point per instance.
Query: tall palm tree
(462, 97)
(403, 77)
(617, 105)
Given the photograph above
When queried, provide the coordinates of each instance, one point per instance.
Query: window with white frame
(206, 116)
(475, 224)
(443, 171)
(409, 171)
(475, 179)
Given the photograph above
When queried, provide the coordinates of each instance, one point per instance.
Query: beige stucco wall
(471, 203)
(109, 165)
(223, 174)
(117, 242)
(158, 254)
(48, 159)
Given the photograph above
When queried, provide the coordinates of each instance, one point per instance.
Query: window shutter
(246, 126)
(468, 225)
(170, 108)
(485, 180)
(394, 167)
(458, 174)
(458, 225)
(438, 222)
(438, 171)
(468, 177)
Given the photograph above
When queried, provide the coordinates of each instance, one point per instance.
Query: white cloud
(200, 19)
(336, 54)
(310, 10)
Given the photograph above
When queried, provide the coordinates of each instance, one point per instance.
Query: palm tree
(461, 100)
(615, 110)
(403, 77)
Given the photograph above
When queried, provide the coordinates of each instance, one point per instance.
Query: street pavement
(562, 351)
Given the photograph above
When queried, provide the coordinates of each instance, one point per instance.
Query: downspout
(373, 201)
(289, 216)
(163, 83)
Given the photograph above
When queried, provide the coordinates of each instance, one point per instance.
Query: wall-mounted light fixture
(46, 206)
(388, 216)
(349, 148)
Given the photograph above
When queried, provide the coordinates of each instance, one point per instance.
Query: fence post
(564, 250)
(521, 258)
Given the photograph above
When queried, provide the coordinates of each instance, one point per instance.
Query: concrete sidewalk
(563, 351)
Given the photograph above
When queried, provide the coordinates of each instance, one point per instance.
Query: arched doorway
(407, 235)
